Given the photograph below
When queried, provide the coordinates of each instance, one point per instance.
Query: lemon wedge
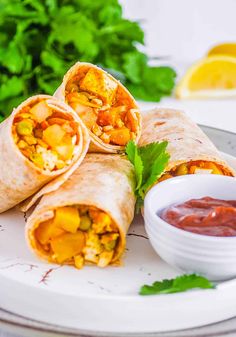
(223, 49)
(211, 77)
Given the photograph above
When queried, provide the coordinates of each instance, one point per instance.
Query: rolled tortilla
(23, 172)
(103, 185)
(106, 107)
(187, 144)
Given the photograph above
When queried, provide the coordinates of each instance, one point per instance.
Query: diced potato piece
(182, 170)
(108, 117)
(119, 136)
(65, 151)
(53, 135)
(85, 222)
(41, 111)
(67, 218)
(105, 258)
(24, 128)
(87, 114)
(47, 231)
(100, 84)
(67, 245)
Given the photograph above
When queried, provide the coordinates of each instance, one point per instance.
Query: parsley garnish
(41, 39)
(178, 284)
(149, 163)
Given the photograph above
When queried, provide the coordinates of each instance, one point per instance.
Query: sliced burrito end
(77, 235)
(191, 151)
(86, 219)
(108, 110)
(45, 136)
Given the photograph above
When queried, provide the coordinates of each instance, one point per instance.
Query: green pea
(85, 222)
(110, 245)
(37, 159)
(24, 128)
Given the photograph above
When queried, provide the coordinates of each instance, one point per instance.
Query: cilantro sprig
(41, 39)
(178, 284)
(149, 163)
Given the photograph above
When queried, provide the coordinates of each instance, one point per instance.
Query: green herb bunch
(41, 39)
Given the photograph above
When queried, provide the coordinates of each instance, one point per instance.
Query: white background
(183, 30)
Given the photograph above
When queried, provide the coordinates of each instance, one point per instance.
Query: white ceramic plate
(103, 300)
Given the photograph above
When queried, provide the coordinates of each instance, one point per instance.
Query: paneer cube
(41, 111)
(105, 258)
(108, 117)
(67, 218)
(100, 84)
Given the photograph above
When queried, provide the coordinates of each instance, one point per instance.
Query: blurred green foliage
(41, 39)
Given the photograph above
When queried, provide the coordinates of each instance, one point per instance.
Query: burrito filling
(46, 137)
(194, 167)
(77, 235)
(105, 108)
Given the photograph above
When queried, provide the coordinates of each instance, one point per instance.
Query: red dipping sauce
(206, 216)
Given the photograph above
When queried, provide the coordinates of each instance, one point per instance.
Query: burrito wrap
(96, 144)
(102, 181)
(19, 177)
(186, 141)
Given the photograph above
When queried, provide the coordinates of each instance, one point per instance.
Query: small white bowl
(211, 256)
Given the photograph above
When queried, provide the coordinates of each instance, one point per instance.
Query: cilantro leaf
(40, 40)
(179, 284)
(149, 163)
(149, 153)
(135, 159)
(133, 62)
(155, 170)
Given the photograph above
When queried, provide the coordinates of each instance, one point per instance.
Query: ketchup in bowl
(206, 216)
